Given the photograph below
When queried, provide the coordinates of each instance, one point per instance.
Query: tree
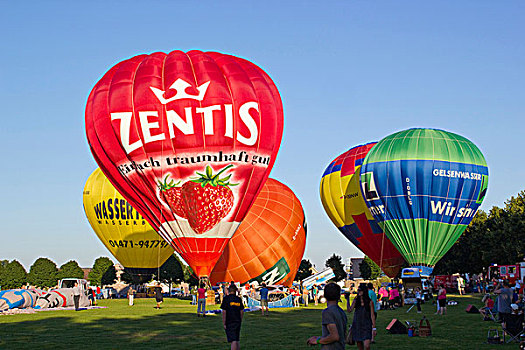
(43, 273)
(110, 276)
(171, 271)
(304, 271)
(13, 275)
(3, 264)
(336, 263)
(494, 237)
(128, 277)
(190, 277)
(103, 272)
(369, 269)
(71, 269)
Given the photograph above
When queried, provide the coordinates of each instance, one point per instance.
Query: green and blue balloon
(423, 187)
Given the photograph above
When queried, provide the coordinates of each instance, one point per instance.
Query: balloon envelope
(269, 244)
(188, 139)
(122, 230)
(423, 186)
(344, 204)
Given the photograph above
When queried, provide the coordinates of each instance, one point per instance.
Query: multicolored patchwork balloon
(424, 186)
(344, 204)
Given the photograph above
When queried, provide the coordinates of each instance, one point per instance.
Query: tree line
(44, 273)
(493, 237)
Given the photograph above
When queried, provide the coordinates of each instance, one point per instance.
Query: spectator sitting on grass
(489, 305)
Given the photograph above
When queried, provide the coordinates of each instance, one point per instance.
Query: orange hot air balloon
(269, 244)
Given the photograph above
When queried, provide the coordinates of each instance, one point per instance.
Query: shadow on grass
(167, 330)
(176, 326)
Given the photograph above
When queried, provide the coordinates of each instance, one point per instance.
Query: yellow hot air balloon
(124, 232)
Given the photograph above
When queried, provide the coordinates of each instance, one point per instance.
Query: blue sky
(349, 72)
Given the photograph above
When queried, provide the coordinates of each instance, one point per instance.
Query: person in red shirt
(201, 300)
(489, 304)
(442, 301)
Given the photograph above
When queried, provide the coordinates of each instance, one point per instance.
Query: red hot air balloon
(188, 139)
(269, 244)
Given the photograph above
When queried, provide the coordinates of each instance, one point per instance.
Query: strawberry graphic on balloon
(204, 200)
(171, 193)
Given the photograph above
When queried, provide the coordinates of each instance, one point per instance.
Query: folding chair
(488, 314)
(513, 327)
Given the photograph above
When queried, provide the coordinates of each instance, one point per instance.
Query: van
(412, 280)
(70, 283)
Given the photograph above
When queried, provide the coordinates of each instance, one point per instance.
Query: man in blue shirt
(264, 299)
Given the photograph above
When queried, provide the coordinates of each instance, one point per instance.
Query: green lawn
(176, 326)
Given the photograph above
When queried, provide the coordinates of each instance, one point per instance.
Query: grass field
(176, 326)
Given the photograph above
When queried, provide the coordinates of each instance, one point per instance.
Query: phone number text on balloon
(123, 243)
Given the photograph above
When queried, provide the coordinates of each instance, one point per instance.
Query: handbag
(350, 337)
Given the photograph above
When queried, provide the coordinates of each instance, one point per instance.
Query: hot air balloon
(269, 244)
(122, 230)
(188, 139)
(423, 187)
(344, 204)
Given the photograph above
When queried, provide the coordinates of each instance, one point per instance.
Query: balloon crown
(180, 87)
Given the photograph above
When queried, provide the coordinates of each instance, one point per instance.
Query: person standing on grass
(76, 296)
(417, 293)
(232, 314)
(201, 300)
(504, 301)
(264, 299)
(306, 295)
(315, 292)
(158, 295)
(442, 301)
(373, 296)
(364, 324)
(131, 295)
(244, 294)
(334, 321)
(221, 294)
(461, 285)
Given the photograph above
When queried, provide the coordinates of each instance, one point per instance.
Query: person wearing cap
(489, 305)
(515, 309)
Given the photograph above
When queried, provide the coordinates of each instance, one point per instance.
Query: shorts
(159, 300)
(503, 316)
(442, 302)
(264, 302)
(233, 332)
